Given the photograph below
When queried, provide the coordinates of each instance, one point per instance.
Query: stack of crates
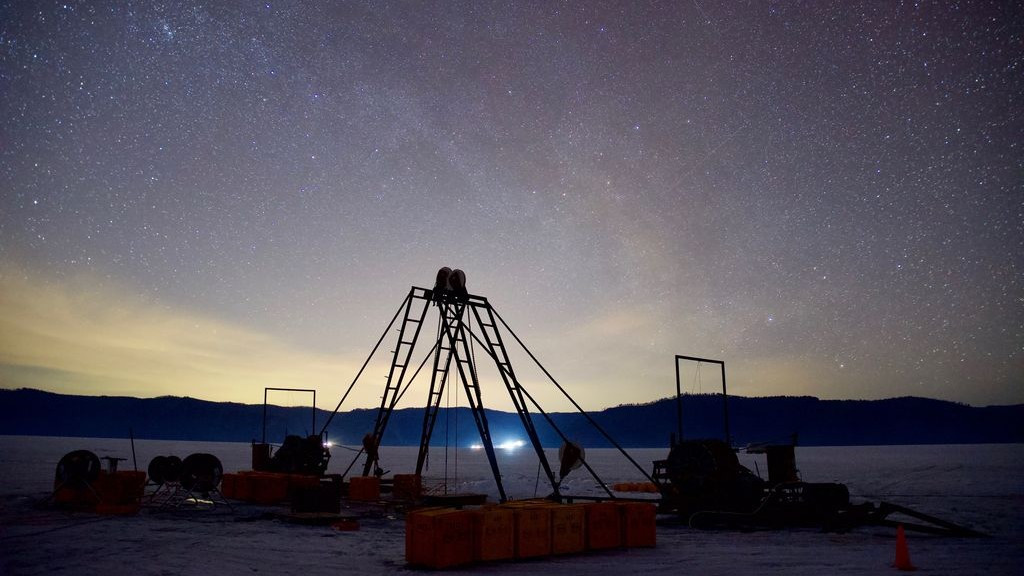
(444, 537)
(265, 487)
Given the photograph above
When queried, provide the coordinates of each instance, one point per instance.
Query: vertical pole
(725, 404)
(313, 429)
(135, 463)
(264, 441)
(679, 405)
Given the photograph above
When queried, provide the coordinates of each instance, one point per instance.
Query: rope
(447, 428)
(360, 373)
(536, 483)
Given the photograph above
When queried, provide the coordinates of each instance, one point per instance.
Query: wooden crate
(123, 487)
(493, 533)
(229, 484)
(604, 528)
(265, 487)
(532, 530)
(568, 528)
(439, 538)
(364, 488)
(638, 524)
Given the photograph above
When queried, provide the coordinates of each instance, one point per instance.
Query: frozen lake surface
(981, 486)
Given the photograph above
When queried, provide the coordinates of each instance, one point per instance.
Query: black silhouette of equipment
(703, 482)
(194, 480)
(297, 454)
(164, 470)
(79, 468)
(465, 319)
(76, 472)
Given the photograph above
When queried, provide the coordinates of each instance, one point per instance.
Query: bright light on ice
(506, 445)
(511, 444)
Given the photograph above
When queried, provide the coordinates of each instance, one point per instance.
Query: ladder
(408, 333)
(497, 351)
(451, 315)
(452, 348)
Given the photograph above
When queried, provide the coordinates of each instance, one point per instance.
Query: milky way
(829, 196)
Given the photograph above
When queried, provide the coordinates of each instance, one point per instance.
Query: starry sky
(206, 198)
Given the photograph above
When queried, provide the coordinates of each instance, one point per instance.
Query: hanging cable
(472, 368)
(447, 428)
(568, 397)
(363, 367)
(536, 483)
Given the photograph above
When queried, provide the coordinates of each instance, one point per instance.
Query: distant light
(511, 444)
(328, 444)
(507, 445)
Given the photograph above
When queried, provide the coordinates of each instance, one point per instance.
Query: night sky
(204, 199)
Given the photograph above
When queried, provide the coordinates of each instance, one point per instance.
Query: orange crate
(243, 487)
(229, 486)
(364, 488)
(299, 482)
(493, 533)
(532, 530)
(122, 487)
(266, 487)
(603, 526)
(568, 533)
(439, 538)
(406, 487)
(638, 524)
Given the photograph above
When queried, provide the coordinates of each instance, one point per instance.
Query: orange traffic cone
(902, 561)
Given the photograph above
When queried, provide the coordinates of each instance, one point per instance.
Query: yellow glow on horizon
(85, 335)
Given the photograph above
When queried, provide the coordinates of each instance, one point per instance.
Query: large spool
(163, 469)
(77, 468)
(457, 281)
(201, 472)
(450, 283)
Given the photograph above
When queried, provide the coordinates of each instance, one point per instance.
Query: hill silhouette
(907, 420)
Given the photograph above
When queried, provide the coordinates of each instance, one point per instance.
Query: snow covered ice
(981, 486)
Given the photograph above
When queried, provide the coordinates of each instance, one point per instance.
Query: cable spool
(457, 281)
(172, 469)
(441, 281)
(80, 467)
(201, 472)
(450, 284)
(156, 469)
(164, 469)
